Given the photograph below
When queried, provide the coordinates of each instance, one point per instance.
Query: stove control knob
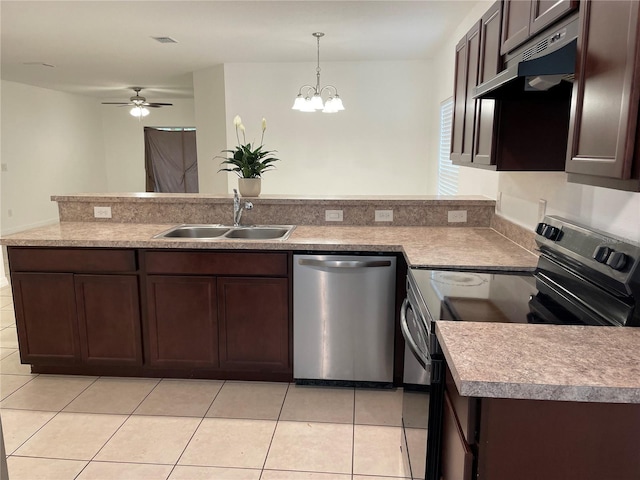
(540, 228)
(551, 233)
(617, 260)
(601, 253)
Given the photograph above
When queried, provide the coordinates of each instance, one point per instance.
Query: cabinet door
(457, 458)
(254, 324)
(515, 24)
(46, 320)
(545, 12)
(490, 64)
(459, 101)
(605, 96)
(109, 319)
(182, 321)
(464, 110)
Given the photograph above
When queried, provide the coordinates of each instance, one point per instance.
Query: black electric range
(583, 277)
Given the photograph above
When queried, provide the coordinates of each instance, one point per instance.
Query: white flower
(237, 121)
(241, 127)
(264, 124)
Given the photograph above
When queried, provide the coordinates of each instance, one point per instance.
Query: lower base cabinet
(158, 313)
(538, 439)
(254, 324)
(182, 322)
(68, 319)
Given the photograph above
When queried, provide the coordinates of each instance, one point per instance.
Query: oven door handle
(409, 339)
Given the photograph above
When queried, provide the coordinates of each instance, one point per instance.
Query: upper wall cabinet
(477, 60)
(523, 19)
(603, 134)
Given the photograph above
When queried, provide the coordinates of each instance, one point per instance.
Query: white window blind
(447, 172)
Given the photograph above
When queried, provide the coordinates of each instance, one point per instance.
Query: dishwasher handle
(310, 262)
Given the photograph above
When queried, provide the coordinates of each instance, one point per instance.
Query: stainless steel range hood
(540, 64)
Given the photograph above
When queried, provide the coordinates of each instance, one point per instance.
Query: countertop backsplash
(427, 211)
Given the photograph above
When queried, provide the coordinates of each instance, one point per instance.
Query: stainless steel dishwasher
(343, 318)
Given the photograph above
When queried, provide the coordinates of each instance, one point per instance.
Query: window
(447, 172)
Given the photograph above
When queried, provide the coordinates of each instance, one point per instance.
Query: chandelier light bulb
(316, 102)
(299, 103)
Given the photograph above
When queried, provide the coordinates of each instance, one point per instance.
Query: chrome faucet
(238, 208)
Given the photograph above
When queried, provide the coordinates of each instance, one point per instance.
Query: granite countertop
(422, 246)
(543, 362)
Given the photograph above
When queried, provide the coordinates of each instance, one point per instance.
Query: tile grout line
(273, 435)
(117, 429)
(224, 382)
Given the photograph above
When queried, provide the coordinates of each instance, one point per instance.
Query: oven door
(415, 332)
(416, 380)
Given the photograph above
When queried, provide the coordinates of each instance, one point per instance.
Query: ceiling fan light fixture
(139, 112)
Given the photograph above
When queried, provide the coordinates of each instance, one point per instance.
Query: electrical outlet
(457, 216)
(333, 215)
(9, 213)
(542, 209)
(384, 216)
(102, 212)
(4, 167)
(499, 203)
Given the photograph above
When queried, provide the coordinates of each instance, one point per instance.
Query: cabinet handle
(344, 263)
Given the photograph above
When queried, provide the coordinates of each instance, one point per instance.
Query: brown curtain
(171, 161)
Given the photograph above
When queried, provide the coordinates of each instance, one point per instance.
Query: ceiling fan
(139, 104)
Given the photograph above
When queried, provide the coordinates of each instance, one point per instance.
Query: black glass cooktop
(493, 297)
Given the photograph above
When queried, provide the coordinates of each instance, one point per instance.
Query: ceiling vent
(165, 39)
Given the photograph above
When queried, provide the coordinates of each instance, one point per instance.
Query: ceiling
(100, 48)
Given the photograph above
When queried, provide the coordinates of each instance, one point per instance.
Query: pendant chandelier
(309, 98)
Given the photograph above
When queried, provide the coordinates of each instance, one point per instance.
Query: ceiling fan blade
(157, 104)
(116, 103)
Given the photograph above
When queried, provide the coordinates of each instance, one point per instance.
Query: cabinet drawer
(216, 263)
(72, 260)
(465, 409)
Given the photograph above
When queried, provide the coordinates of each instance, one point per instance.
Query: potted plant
(247, 161)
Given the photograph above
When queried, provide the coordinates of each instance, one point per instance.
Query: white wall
(51, 144)
(377, 146)
(124, 140)
(211, 123)
(613, 211)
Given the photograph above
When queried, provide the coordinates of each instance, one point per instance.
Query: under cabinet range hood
(539, 65)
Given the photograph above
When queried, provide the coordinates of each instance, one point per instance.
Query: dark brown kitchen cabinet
(68, 316)
(523, 19)
(604, 144)
(477, 60)
(254, 323)
(46, 318)
(222, 312)
(504, 439)
(464, 109)
(182, 321)
(109, 319)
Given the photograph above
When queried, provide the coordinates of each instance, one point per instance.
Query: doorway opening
(171, 161)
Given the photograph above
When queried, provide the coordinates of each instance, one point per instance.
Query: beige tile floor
(73, 427)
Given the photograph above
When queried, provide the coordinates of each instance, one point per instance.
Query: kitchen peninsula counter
(459, 247)
(543, 362)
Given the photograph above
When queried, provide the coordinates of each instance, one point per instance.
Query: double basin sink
(213, 232)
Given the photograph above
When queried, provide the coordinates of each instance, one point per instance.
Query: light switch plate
(457, 216)
(333, 215)
(102, 212)
(384, 216)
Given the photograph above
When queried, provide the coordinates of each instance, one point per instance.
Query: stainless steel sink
(258, 233)
(194, 231)
(222, 232)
